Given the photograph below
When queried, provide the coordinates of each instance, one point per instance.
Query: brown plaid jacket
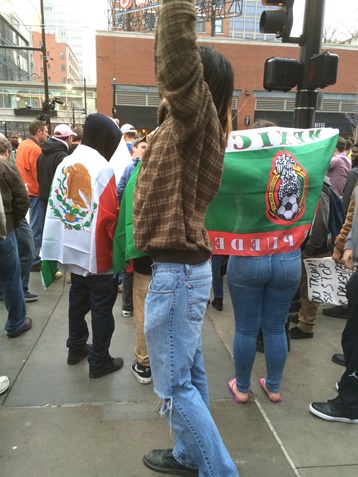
(181, 170)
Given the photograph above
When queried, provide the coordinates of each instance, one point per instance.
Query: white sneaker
(4, 384)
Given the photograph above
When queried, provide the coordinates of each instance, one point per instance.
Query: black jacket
(53, 152)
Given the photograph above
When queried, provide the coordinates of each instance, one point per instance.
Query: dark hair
(219, 76)
(341, 144)
(263, 123)
(349, 144)
(35, 126)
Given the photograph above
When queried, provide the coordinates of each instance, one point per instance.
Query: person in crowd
(79, 228)
(76, 138)
(337, 255)
(26, 249)
(129, 133)
(261, 290)
(348, 149)
(26, 159)
(15, 202)
(138, 148)
(351, 178)
(219, 263)
(339, 167)
(14, 141)
(179, 176)
(315, 246)
(344, 408)
(53, 152)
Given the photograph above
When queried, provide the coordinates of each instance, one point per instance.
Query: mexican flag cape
(270, 187)
(81, 215)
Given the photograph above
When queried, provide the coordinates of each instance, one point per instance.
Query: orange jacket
(26, 158)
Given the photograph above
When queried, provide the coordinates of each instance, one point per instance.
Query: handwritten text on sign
(326, 280)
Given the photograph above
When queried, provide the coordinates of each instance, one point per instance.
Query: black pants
(348, 386)
(95, 293)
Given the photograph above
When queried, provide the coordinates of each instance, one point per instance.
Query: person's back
(79, 229)
(339, 168)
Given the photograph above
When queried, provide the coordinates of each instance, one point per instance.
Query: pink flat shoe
(262, 383)
(231, 385)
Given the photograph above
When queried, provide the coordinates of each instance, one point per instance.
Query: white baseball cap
(63, 131)
(128, 128)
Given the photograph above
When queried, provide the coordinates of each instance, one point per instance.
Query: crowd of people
(69, 188)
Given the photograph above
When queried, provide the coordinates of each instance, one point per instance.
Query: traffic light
(277, 21)
(322, 70)
(281, 74)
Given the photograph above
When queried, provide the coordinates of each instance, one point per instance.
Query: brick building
(128, 57)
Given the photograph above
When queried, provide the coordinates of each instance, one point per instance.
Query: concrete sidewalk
(57, 422)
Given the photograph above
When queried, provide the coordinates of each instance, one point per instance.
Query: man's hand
(348, 259)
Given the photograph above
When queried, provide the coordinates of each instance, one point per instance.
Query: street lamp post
(85, 96)
(114, 85)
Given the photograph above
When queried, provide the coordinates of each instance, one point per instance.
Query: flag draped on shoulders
(81, 215)
(271, 183)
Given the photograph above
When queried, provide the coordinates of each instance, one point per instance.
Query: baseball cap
(63, 131)
(128, 128)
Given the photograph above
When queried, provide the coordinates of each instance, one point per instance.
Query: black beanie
(102, 134)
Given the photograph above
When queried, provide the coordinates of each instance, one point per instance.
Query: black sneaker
(297, 334)
(336, 312)
(29, 297)
(332, 410)
(75, 356)
(163, 461)
(142, 373)
(217, 304)
(110, 366)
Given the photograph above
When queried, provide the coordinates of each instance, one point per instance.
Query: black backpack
(336, 214)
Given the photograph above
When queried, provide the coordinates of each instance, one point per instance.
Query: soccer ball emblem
(288, 208)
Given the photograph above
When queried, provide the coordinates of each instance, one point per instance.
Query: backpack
(336, 213)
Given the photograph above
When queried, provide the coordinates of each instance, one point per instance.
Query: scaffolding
(142, 15)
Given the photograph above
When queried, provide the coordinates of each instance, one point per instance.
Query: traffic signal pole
(306, 97)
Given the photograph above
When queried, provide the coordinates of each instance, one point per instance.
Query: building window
(200, 25)
(63, 67)
(62, 56)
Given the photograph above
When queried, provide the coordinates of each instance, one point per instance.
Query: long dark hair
(219, 76)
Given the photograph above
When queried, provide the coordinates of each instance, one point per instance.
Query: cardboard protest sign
(326, 281)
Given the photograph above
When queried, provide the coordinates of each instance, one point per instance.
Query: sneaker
(297, 334)
(163, 461)
(58, 275)
(217, 304)
(29, 297)
(110, 366)
(332, 410)
(336, 312)
(127, 313)
(68, 277)
(142, 373)
(75, 356)
(4, 384)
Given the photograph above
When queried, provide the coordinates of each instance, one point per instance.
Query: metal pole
(114, 84)
(85, 96)
(45, 61)
(306, 98)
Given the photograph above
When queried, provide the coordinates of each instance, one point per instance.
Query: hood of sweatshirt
(102, 134)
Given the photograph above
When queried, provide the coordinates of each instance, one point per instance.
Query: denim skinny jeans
(174, 312)
(261, 290)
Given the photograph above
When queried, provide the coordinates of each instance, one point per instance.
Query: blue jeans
(26, 246)
(11, 283)
(98, 294)
(218, 281)
(174, 312)
(261, 290)
(37, 220)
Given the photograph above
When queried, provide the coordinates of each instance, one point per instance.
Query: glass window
(249, 24)
(219, 26)
(250, 8)
(200, 25)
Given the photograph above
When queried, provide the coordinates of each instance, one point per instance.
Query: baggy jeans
(174, 313)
